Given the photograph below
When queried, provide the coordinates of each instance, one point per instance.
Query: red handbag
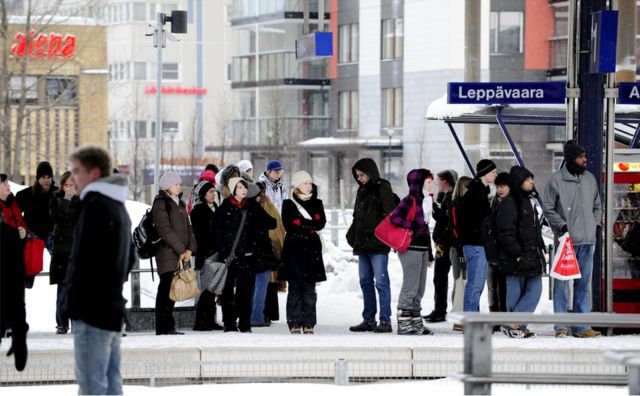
(33, 250)
(397, 238)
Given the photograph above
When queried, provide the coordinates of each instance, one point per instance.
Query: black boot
(364, 326)
(19, 349)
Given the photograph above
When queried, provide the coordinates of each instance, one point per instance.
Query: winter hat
(208, 175)
(518, 174)
(169, 179)
(300, 177)
(44, 169)
(212, 167)
(204, 189)
(274, 165)
(261, 185)
(572, 150)
(484, 167)
(233, 182)
(252, 190)
(245, 165)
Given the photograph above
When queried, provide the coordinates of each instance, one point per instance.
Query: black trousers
(497, 285)
(164, 305)
(237, 297)
(301, 304)
(271, 308)
(206, 310)
(441, 281)
(12, 283)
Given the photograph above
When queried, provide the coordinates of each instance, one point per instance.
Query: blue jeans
(97, 359)
(259, 295)
(523, 293)
(581, 287)
(62, 320)
(374, 275)
(476, 276)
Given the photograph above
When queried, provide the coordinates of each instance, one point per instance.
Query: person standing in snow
(101, 258)
(303, 217)
(275, 188)
(410, 214)
(374, 200)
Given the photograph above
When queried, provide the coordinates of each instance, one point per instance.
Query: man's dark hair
(3, 177)
(91, 157)
(502, 179)
(447, 176)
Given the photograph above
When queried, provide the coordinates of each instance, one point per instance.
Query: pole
(199, 81)
(610, 94)
(159, 43)
(573, 92)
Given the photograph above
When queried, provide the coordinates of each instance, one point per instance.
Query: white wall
(369, 104)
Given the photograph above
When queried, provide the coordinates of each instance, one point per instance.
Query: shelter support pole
(462, 150)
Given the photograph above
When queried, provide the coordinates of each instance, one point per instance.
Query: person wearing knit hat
(233, 184)
(303, 217)
(571, 203)
(275, 188)
(246, 166)
(44, 169)
(473, 209)
(173, 226)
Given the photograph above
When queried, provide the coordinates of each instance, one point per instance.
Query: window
(169, 128)
(139, 70)
(61, 90)
(348, 110)
(139, 11)
(392, 38)
(348, 43)
(30, 86)
(506, 32)
(140, 129)
(392, 108)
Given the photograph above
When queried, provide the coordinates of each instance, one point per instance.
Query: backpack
(145, 236)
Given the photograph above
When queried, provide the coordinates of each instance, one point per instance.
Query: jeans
(62, 320)
(523, 293)
(374, 275)
(414, 280)
(301, 304)
(476, 275)
(581, 287)
(259, 296)
(97, 359)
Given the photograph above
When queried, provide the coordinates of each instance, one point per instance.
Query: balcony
(275, 131)
(558, 53)
(250, 11)
(277, 68)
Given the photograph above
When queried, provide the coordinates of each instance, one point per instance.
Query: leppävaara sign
(506, 93)
(629, 93)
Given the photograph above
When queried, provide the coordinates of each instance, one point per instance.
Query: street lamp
(390, 133)
(178, 21)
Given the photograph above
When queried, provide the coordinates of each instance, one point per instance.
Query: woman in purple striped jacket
(419, 255)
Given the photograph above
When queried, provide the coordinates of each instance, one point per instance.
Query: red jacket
(12, 213)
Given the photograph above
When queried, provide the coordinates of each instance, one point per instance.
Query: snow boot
(418, 325)
(405, 323)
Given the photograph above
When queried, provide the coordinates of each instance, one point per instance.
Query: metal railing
(477, 375)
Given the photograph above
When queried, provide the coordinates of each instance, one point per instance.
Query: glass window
(392, 108)
(30, 86)
(506, 32)
(139, 70)
(348, 43)
(168, 127)
(348, 110)
(141, 129)
(139, 11)
(61, 90)
(392, 38)
(170, 71)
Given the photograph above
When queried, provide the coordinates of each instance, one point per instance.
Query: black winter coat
(34, 203)
(302, 251)
(374, 201)
(102, 256)
(202, 219)
(12, 313)
(226, 223)
(473, 208)
(63, 214)
(519, 236)
(443, 230)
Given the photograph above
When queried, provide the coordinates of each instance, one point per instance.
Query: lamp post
(178, 21)
(390, 133)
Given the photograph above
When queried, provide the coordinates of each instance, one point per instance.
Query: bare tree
(223, 126)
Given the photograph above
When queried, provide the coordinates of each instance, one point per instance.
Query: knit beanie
(572, 150)
(252, 189)
(44, 169)
(204, 189)
(484, 167)
(245, 165)
(169, 179)
(300, 177)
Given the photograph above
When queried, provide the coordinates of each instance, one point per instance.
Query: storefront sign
(507, 92)
(176, 91)
(626, 167)
(44, 46)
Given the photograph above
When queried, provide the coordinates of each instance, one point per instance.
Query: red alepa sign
(44, 46)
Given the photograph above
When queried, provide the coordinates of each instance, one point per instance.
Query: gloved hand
(439, 250)
(22, 232)
(564, 229)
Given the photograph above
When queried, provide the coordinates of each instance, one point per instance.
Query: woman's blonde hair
(461, 187)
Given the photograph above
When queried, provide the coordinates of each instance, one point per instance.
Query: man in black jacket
(443, 238)
(101, 258)
(474, 208)
(374, 201)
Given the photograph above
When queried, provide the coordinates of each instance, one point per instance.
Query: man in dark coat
(101, 258)
(473, 210)
(374, 201)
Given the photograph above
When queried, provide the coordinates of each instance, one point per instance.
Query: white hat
(245, 165)
(169, 179)
(300, 177)
(233, 182)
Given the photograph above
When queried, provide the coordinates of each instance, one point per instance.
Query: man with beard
(572, 204)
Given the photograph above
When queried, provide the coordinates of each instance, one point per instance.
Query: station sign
(44, 46)
(629, 93)
(604, 35)
(507, 93)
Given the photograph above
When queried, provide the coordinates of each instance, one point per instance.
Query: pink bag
(397, 238)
